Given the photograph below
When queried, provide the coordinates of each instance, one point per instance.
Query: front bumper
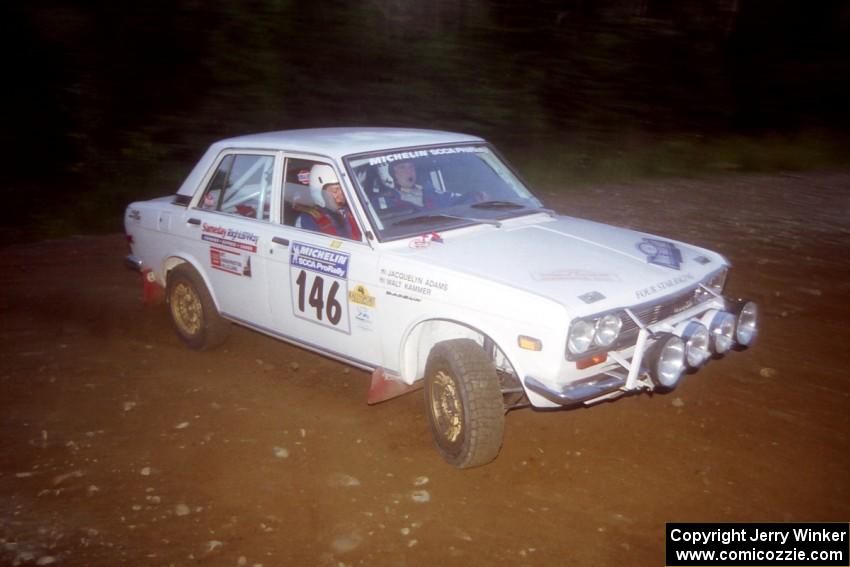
(632, 368)
(601, 386)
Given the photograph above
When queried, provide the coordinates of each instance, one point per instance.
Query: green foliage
(557, 166)
(116, 102)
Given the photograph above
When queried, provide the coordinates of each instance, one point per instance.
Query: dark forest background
(106, 102)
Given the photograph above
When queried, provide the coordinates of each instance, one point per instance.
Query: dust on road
(120, 446)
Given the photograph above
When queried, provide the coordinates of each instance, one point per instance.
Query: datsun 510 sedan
(421, 257)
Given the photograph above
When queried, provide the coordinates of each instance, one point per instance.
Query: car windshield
(412, 191)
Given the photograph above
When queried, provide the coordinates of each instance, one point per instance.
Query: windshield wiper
(510, 205)
(497, 205)
(440, 216)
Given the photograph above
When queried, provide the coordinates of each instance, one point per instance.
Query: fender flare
(175, 260)
(421, 336)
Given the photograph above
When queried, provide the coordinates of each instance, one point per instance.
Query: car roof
(338, 142)
(332, 142)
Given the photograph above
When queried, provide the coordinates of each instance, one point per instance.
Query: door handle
(280, 240)
(194, 221)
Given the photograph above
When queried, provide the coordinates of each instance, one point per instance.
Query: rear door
(228, 232)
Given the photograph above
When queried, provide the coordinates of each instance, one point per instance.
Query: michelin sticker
(319, 283)
(409, 155)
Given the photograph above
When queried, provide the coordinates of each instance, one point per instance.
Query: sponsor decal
(405, 156)
(702, 260)
(414, 283)
(363, 319)
(319, 260)
(662, 286)
(230, 262)
(425, 240)
(576, 274)
(591, 297)
(135, 215)
(318, 279)
(336, 244)
(360, 295)
(661, 253)
(230, 237)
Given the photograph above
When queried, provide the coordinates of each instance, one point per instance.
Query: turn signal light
(592, 361)
(529, 343)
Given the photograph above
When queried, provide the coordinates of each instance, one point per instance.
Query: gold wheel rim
(187, 309)
(446, 406)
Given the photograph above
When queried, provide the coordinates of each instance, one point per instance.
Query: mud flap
(152, 292)
(383, 388)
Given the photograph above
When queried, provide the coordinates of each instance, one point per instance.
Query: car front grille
(649, 314)
(653, 313)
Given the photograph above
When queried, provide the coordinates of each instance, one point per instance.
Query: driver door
(328, 299)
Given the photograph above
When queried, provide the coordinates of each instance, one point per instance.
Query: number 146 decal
(320, 299)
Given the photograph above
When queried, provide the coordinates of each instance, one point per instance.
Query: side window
(212, 196)
(241, 185)
(296, 190)
(320, 207)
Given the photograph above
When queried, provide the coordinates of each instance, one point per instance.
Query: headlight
(581, 336)
(746, 328)
(607, 330)
(715, 283)
(718, 281)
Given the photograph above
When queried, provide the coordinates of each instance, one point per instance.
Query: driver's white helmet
(321, 175)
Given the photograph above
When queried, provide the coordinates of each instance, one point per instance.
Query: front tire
(193, 312)
(464, 403)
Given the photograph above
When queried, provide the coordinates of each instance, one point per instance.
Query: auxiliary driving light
(697, 347)
(746, 327)
(666, 361)
(721, 327)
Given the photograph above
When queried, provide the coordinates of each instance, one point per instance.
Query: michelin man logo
(661, 253)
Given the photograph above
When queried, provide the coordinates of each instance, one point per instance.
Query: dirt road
(120, 446)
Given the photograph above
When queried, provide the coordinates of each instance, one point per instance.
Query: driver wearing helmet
(330, 213)
(406, 189)
(404, 177)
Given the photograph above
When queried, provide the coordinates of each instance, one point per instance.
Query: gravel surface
(120, 446)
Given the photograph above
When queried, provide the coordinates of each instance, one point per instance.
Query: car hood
(585, 266)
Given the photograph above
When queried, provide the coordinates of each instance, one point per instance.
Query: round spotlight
(746, 328)
(722, 330)
(666, 362)
(581, 336)
(697, 347)
(607, 330)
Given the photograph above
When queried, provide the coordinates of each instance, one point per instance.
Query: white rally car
(422, 258)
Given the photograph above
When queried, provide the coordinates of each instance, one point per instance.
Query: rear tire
(193, 313)
(464, 403)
